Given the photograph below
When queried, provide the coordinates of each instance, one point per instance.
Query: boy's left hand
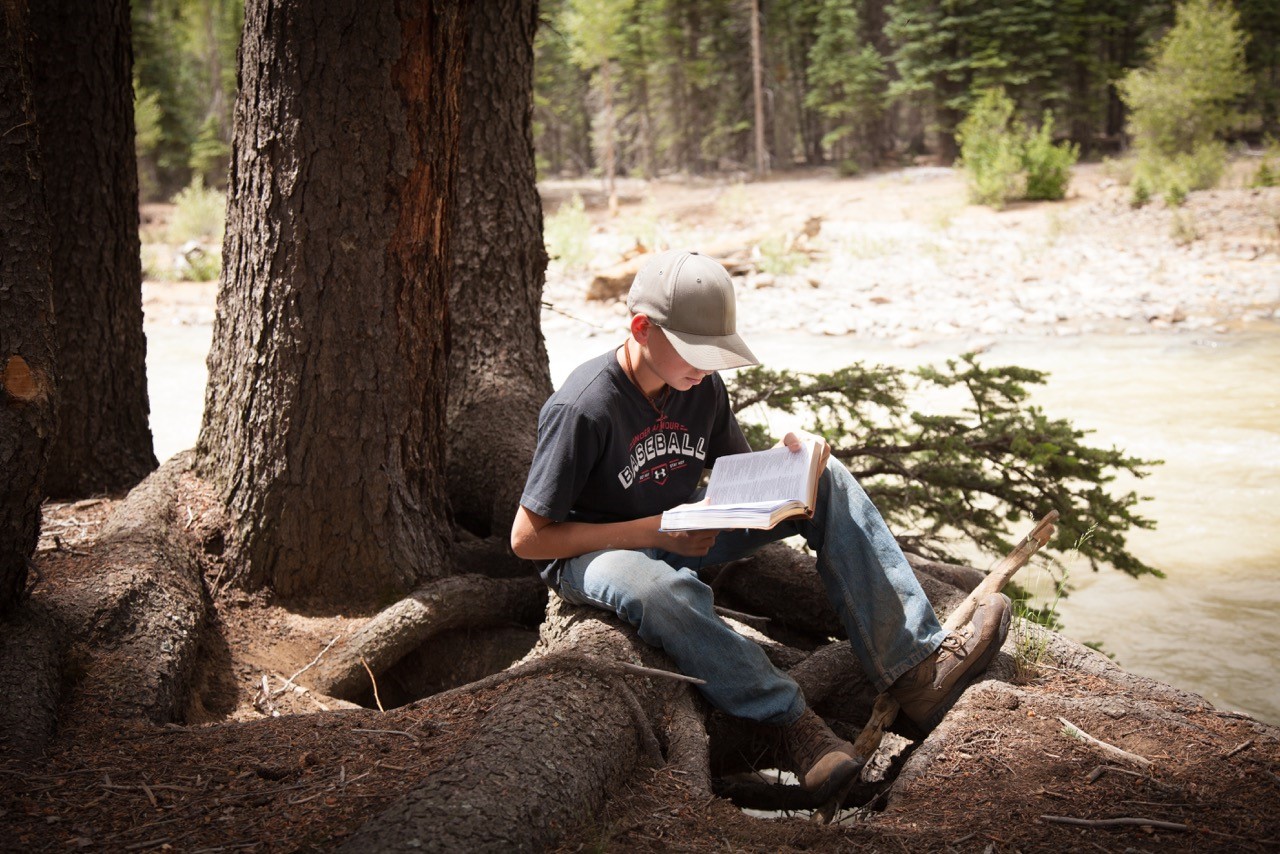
(795, 441)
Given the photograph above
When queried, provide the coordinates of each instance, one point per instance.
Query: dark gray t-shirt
(604, 455)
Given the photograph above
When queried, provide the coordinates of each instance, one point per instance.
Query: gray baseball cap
(691, 297)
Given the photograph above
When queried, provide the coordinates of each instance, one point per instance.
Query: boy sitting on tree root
(628, 436)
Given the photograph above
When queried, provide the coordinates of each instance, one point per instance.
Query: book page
(774, 475)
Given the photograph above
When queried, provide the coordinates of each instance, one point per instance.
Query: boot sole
(976, 669)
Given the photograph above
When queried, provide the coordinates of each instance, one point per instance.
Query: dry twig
(1102, 747)
(289, 683)
(376, 698)
(1239, 748)
(1114, 822)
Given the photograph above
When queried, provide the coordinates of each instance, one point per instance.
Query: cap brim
(711, 352)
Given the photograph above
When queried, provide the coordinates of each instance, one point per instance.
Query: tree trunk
(82, 86)
(28, 403)
(498, 373)
(757, 91)
(608, 116)
(324, 417)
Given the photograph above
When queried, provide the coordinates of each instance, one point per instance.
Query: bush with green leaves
(1004, 161)
(1048, 164)
(990, 152)
(567, 234)
(199, 214)
(1183, 100)
(1268, 172)
(970, 475)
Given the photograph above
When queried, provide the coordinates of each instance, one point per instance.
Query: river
(1209, 406)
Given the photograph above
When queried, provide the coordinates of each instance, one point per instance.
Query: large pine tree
(27, 398)
(324, 417)
(82, 84)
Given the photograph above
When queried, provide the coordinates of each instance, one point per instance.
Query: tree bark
(498, 372)
(505, 790)
(459, 602)
(143, 614)
(324, 417)
(82, 87)
(28, 401)
(32, 651)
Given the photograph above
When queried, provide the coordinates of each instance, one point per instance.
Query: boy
(628, 436)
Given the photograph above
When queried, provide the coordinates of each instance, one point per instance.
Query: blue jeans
(891, 625)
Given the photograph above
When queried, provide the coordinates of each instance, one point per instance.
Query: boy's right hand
(688, 543)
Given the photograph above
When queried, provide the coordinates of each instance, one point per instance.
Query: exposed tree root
(450, 603)
(548, 754)
(138, 619)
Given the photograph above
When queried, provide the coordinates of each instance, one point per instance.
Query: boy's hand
(688, 543)
(795, 441)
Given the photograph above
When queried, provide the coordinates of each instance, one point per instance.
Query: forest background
(661, 87)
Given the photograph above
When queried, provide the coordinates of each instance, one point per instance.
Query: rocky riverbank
(901, 257)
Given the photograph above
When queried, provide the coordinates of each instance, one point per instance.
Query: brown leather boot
(927, 691)
(823, 762)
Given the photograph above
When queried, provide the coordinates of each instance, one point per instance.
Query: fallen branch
(755, 622)
(558, 659)
(1114, 822)
(1102, 747)
(408, 735)
(1005, 570)
(661, 674)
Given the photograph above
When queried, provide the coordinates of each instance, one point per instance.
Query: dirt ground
(251, 767)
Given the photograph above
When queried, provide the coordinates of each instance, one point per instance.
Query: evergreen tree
(846, 77)
(947, 49)
(185, 81)
(1261, 20)
(561, 124)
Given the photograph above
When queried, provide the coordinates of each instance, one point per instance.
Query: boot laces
(954, 643)
(807, 743)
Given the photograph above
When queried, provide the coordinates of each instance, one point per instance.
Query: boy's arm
(535, 537)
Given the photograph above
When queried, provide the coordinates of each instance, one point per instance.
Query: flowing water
(1209, 407)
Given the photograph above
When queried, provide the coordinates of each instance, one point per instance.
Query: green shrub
(210, 155)
(1183, 228)
(1048, 166)
(990, 153)
(200, 214)
(1139, 192)
(1174, 176)
(1003, 161)
(567, 234)
(777, 257)
(199, 266)
(1268, 171)
(1182, 100)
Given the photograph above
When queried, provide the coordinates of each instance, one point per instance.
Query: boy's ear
(640, 326)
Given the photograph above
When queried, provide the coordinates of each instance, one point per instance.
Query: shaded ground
(273, 777)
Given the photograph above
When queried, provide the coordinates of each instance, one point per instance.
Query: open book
(754, 490)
